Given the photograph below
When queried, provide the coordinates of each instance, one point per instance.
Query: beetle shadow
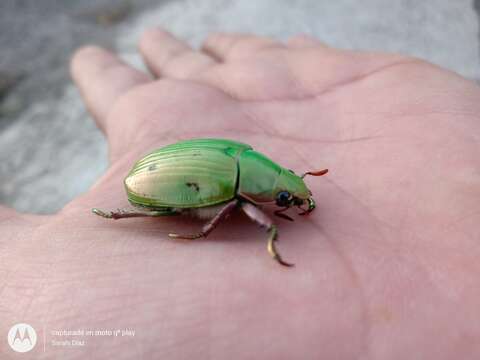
(239, 228)
(236, 228)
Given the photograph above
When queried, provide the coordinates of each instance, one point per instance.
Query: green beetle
(209, 178)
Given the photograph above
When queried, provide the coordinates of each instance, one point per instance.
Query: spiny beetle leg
(124, 213)
(102, 213)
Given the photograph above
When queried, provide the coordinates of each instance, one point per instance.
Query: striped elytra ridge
(188, 174)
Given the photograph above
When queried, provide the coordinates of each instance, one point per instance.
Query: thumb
(12, 221)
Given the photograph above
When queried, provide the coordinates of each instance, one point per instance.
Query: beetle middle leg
(263, 220)
(210, 225)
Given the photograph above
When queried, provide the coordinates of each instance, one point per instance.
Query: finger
(236, 46)
(296, 74)
(102, 78)
(168, 56)
(304, 41)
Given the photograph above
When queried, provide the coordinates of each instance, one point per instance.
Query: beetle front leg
(212, 224)
(126, 213)
(263, 220)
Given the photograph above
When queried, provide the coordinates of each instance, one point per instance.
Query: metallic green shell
(261, 179)
(188, 174)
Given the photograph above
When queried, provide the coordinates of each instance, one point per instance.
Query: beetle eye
(283, 198)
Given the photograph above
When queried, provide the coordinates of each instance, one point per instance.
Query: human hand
(386, 267)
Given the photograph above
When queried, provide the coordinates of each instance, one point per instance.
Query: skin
(386, 266)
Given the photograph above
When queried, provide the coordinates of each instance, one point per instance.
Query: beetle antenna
(315, 173)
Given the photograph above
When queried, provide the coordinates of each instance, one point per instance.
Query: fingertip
(304, 41)
(153, 34)
(168, 56)
(149, 37)
(156, 45)
(225, 46)
(102, 77)
(84, 55)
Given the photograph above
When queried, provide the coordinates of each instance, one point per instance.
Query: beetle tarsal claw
(273, 250)
(101, 213)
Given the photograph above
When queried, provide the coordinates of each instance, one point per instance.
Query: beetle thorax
(261, 179)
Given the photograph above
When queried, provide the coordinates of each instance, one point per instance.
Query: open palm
(386, 267)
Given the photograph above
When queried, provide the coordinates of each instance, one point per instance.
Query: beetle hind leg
(127, 213)
(107, 215)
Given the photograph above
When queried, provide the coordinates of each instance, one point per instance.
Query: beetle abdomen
(185, 175)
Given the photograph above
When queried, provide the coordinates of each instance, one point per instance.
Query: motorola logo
(22, 337)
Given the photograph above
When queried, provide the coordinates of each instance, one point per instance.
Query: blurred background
(50, 149)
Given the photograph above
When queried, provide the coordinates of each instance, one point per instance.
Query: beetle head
(292, 191)
(285, 200)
